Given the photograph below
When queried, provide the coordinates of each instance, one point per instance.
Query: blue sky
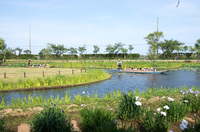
(97, 22)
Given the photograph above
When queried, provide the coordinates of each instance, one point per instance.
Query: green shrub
(129, 108)
(97, 119)
(51, 119)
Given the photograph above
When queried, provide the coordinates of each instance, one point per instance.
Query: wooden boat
(139, 71)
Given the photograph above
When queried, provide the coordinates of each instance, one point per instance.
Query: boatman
(119, 63)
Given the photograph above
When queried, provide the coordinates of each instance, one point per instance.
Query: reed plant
(192, 99)
(2, 103)
(176, 110)
(51, 119)
(97, 119)
(67, 97)
(107, 96)
(154, 122)
(95, 95)
(130, 107)
(78, 97)
(116, 93)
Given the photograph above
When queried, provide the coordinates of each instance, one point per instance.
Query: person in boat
(119, 63)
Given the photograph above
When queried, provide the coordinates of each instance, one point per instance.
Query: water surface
(123, 82)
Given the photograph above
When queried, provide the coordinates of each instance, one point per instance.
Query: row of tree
(154, 41)
(168, 46)
(59, 50)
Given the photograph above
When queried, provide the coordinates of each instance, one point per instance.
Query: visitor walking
(29, 62)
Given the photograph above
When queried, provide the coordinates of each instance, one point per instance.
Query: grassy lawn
(13, 74)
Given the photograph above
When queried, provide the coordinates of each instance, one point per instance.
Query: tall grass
(154, 122)
(177, 110)
(128, 107)
(51, 119)
(97, 119)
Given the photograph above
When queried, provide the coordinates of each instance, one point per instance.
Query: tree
(27, 51)
(185, 48)
(96, 49)
(72, 51)
(81, 49)
(130, 47)
(58, 49)
(19, 49)
(178, 48)
(197, 48)
(191, 49)
(46, 52)
(8, 52)
(153, 40)
(124, 51)
(2, 48)
(114, 49)
(168, 46)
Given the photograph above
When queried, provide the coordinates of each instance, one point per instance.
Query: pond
(122, 82)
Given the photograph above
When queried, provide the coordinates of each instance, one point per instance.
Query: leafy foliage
(153, 40)
(168, 46)
(96, 49)
(57, 49)
(128, 108)
(155, 122)
(177, 110)
(114, 49)
(97, 119)
(51, 119)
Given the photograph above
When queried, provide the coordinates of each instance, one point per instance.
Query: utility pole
(86, 48)
(84, 52)
(157, 36)
(30, 38)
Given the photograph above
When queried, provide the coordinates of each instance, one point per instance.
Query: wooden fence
(5, 75)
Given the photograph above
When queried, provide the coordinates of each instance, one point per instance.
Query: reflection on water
(123, 82)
